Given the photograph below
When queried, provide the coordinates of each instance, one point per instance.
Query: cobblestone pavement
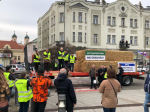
(129, 100)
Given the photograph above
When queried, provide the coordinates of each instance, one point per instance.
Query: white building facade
(96, 25)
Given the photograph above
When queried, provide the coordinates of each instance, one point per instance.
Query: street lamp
(63, 3)
(145, 41)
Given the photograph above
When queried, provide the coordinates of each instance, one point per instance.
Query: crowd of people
(102, 74)
(64, 60)
(108, 86)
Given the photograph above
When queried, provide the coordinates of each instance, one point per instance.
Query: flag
(143, 53)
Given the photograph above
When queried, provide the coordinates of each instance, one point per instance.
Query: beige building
(98, 24)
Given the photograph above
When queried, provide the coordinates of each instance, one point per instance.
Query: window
(122, 37)
(80, 16)
(74, 16)
(131, 39)
(62, 36)
(54, 19)
(131, 22)
(61, 17)
(147, 40)
(85, 17)
(18, 57)
(135, 23)
(73, 36)
(79, 36)
(146, 24)
(95, 19)
(113, 39)
(54, 39)
(135, 40)
(122, 21)
(95, 38)
(34, 46)
(15, 57)
(109, 20)
(85, 38)
(114, 21)
(48, 25)
(51, 39)
(108, 39)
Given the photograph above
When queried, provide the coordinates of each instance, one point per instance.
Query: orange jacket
(40, 88)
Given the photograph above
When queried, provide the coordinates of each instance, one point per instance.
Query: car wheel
(127, 80)
(143, 71)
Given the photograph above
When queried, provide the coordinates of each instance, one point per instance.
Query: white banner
(95, 57)
(128, 67)
(5, 55)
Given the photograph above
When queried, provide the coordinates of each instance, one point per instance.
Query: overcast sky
(22, 16)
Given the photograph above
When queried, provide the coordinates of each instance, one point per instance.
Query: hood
(61, 77)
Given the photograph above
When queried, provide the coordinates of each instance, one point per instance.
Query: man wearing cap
(47, 59)
(61, 58)
(10, 78)
(40, 90)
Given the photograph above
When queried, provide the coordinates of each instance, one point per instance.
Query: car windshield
(20, 66)
(140, 66)
(146, 66)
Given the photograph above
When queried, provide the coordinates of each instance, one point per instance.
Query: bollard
(32, 105)
(16, 97)
(61, 102)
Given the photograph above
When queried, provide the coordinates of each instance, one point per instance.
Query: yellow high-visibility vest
(72, 59)
(105, 76)
(60, 53)
(36, 60)
(48, 56)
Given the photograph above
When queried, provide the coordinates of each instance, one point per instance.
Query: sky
(21, 16)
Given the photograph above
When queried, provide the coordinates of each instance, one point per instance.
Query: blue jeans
(92, 79)
(24, 106)
(147, 100)
(8, 98)
(109, 109)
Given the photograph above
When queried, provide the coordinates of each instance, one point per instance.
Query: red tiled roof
(22, 46)
(12, 44)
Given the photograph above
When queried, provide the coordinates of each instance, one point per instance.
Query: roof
(26, 36)
(14, 35)
(22, 46)
(33, 41)
(12, 44)
(79, 5)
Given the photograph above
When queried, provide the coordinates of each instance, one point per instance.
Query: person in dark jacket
(147, 93)
(63, 82)
(101, 74)
(92, 75)
(120, 71)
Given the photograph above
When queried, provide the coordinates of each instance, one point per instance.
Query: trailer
(127, 77)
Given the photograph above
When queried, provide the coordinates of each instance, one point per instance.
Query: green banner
(94, 52)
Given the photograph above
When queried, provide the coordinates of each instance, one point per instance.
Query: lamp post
(145, 40)
(63, 3)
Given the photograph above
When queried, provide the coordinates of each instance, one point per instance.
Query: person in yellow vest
(47, 59)
(36, 60)
(24, 93)
(61, 57)
(72, 61)
(10, 78)
(56, 64)
(66, 59)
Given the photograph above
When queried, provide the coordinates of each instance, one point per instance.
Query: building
(98, 24)
(18, 51)
(31, 47)
(26, 39)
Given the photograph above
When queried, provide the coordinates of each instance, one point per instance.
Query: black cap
(40, 70)
(8, 67)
